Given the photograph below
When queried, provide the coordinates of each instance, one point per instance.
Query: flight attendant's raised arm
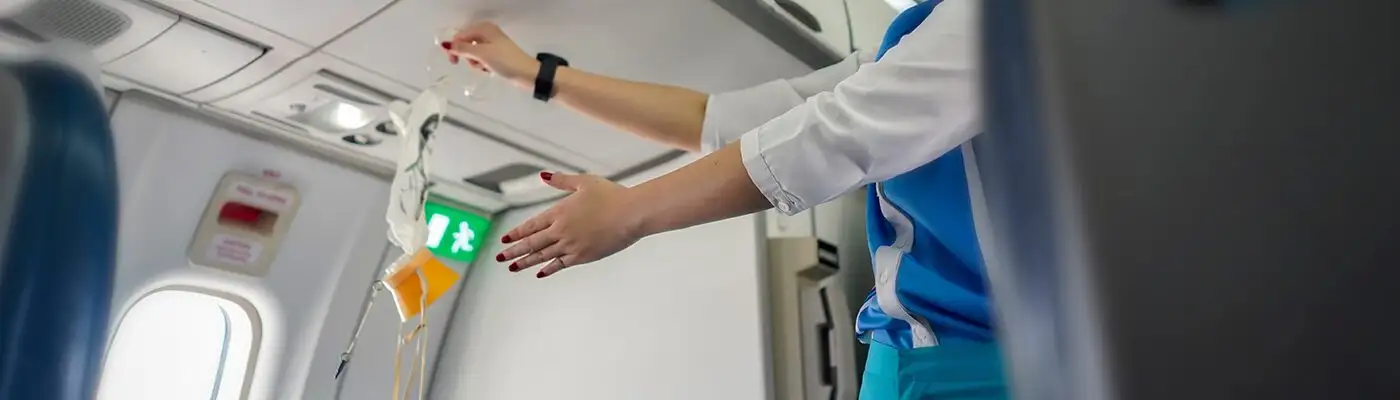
(675, 116)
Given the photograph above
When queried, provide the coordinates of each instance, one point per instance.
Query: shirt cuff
(729, 115)
(751, 150)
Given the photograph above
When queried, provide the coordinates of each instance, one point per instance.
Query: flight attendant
(899, 124)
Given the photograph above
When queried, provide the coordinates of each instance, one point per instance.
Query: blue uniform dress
(928, 320)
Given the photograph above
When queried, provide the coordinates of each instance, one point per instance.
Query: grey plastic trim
(484, 134)
(780, 31)
(14, 146)
(1192, 201)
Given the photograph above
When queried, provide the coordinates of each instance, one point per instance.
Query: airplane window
(180, 345)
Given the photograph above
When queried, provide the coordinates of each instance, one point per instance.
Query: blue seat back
(57, 232)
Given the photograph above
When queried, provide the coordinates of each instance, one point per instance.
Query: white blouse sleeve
(915, 104)
(729, 115)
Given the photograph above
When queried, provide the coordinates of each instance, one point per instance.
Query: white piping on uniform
(887, 261)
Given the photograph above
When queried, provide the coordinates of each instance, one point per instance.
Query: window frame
(254, 324)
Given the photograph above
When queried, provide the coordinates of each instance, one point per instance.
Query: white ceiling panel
(186, 57)
(692, 43)
(312, 22)
(280, 49)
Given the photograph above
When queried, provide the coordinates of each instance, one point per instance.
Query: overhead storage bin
(819, 32)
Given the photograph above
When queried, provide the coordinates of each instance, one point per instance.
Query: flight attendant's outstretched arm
(914, 105)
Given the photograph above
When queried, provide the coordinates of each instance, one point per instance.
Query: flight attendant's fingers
(529, 244)
(537, 257)
(557, 265)
(529, 227)
(550, 269)
(447, 47)
(562, 181)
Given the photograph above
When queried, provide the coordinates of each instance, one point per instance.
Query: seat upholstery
(58, 224)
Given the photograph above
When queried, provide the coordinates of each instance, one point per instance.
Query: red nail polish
(447, 45)
(546, 175)
(500, 258)
(514, 267)
(505, 239)
(539, 275)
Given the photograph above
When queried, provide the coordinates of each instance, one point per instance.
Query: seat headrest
(58, 252)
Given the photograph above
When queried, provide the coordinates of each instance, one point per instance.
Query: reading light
(335, 117)
(350, 117)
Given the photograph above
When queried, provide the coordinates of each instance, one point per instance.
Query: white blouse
(808, 140)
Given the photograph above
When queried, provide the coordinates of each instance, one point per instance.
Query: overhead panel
(842, 26)
(342, 112)
(689, 43)
(312, 22)
(186, 57)
(461, 152)
(400, 43)
(567, 129)
(819, 32)
(279, 50)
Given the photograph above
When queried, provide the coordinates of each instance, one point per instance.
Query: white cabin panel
(169, 161)
(311, 22)
(675, 316)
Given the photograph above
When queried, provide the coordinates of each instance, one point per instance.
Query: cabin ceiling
(264, 61)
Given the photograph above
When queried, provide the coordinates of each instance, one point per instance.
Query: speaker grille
(82, 21)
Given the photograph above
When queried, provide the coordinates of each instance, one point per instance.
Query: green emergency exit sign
(454, 234)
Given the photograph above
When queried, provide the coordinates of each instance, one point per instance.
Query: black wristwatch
(544, 80)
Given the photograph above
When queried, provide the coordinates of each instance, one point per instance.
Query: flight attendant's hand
(485, 47)
(593, 222)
